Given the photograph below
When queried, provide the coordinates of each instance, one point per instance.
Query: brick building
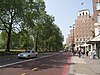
(87, 29)
(84, 27)
(96, 11)
(69, 40)
(95, 42)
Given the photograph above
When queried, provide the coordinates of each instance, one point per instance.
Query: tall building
(83, 30)
(84, 27)
(95, 42)
(87, 29)
(69, 40)
(96, 11)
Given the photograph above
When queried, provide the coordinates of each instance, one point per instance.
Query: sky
(65, 12)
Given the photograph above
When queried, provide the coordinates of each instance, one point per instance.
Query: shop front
(95, 44)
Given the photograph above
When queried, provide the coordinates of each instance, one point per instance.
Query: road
(54, 64)
(8, 59)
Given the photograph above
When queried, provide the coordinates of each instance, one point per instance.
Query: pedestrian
(82, 51)
(94, 53)
(90, 54)
(87, 53)
(79, 53)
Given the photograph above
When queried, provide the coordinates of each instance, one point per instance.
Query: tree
(28, 18)
(10, 15)
(41, 30)
(38, 19)
(3, 37)
(50, 36)
(15, 12)
(56, 38)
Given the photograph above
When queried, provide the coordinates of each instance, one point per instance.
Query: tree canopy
(26, 24)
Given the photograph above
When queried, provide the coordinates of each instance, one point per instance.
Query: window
(89, 16)
(80, 39)
(91, 29)
(83, 13)
(84, 39)
(77, 35)
(92, 19)
(98, 18)
(86, 13)
(98, 6)
(99, 30)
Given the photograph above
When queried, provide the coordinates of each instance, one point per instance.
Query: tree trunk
(36, 42)
(9, 39)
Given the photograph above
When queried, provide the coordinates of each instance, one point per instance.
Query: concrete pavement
(84, 66)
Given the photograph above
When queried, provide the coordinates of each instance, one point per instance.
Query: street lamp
(73, 45)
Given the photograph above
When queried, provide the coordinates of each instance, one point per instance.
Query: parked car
(28, 54)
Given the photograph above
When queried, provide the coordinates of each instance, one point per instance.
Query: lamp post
(73, 45)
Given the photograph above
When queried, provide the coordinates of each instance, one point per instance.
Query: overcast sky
(65, 12)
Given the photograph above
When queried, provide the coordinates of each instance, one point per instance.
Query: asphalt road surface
(8, 59)
(55, 64)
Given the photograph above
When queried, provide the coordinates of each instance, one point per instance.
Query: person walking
(87, 52)
(90, 54)
(79, 53)
(94, 53)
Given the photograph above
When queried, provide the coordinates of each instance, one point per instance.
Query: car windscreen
(27, 52)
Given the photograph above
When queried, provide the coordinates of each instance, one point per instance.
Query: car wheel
(19, 57)
(36, 55)
(28, 56)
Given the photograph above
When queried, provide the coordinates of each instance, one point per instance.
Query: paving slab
(84, 66)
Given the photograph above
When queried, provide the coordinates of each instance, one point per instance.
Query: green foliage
(25, 24)
(3, 38)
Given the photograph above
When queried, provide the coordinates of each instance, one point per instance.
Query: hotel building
(84, 27)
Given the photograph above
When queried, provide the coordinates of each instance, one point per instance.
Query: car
(61, 51)
(28, 54)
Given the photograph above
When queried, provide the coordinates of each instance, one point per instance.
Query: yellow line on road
(44, 65)
(23, 74)
(34, 69)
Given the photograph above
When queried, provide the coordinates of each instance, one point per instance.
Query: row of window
(98, 18)
(83, 12)
(85, 20)
(83, 39)
(81, 30)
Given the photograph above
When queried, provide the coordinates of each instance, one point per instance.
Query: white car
(28, 54)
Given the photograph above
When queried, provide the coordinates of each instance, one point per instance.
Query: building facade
(69, 40)
(84, 28)
(87, 29)
(96, 11)
(82, 31)
(95, 42)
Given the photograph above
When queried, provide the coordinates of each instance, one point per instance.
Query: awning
(95, 40)
(84, 45)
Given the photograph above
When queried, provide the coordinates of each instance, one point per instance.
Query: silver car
(28, 54)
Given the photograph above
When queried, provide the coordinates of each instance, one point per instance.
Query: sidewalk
(84, 66)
